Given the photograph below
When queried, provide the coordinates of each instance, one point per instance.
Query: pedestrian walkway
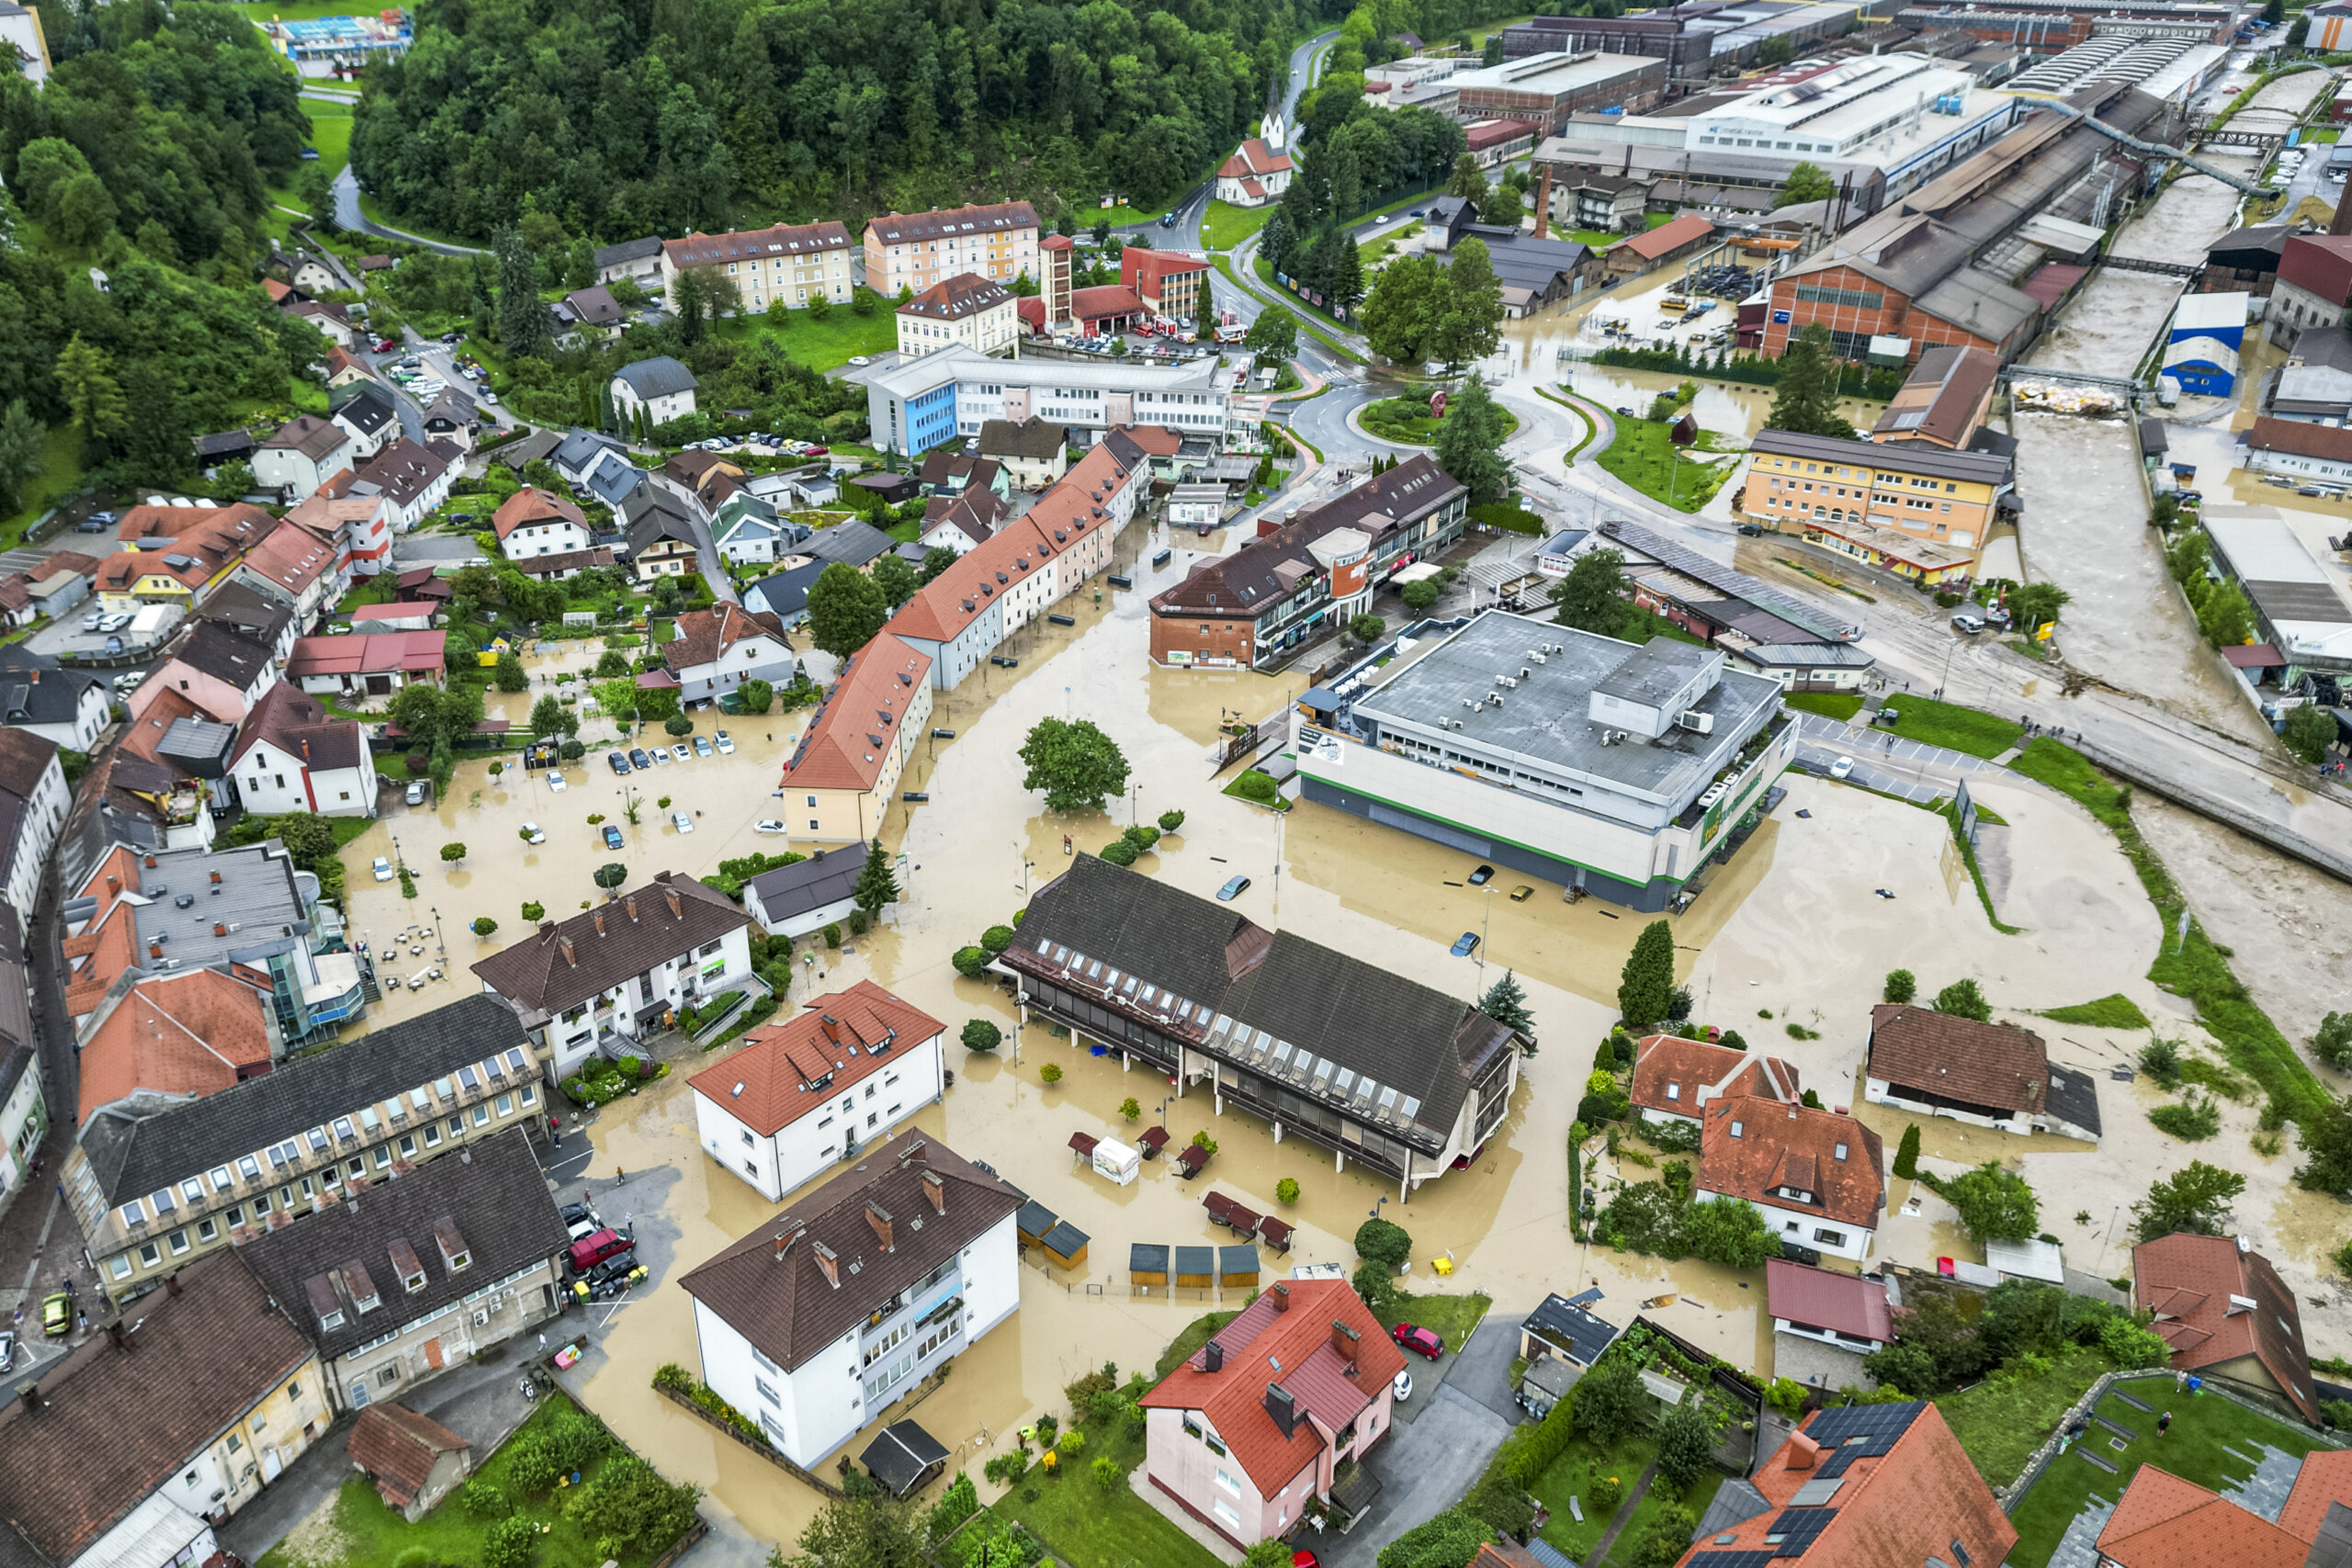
(1633, 1496)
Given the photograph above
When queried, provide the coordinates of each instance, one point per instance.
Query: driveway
(1483, 1370)
(1424, 1469)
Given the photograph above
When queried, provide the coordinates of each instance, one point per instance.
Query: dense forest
(146, 157)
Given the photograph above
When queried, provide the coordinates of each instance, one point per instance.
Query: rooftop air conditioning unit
(1701, 723)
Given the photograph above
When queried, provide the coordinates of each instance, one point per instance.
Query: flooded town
(1591, 810)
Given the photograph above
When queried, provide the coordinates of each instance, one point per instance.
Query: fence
(771, 1455)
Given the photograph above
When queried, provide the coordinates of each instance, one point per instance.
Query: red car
(1419, 1341)
(1303, 1558)
(385, 345)
(816, 451)
(590, 1250)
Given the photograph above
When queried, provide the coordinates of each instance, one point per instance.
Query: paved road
(1483, 1370)
(1424, 1468)
(348, 214)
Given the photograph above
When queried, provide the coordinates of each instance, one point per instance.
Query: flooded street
(2109, 328)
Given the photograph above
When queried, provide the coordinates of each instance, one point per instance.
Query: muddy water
(2086, 529)
(2107, 330)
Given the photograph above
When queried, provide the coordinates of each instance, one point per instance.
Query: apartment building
(916, 250)
(1913, 488)
(955, 393)
(838, 784)
(154, 1189)
(33, 802)
(1168, 284)
(966, 309)
(791, 263)
(290, 756)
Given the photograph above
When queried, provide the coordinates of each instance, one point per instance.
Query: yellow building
(1913, 488)
(787, 265)
(966, 309)
(838, 784)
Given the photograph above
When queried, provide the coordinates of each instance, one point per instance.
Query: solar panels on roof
(1731, 1560)
(1796, 1530)
(1858, 1431)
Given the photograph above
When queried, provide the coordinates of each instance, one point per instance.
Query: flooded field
(2086, 529)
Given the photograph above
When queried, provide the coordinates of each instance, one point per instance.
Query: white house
(808, 895)
(716, 651)
(662, 387)
(1196, 505)
(533, 521)
(1818, 1176)
(366, 410)
(606, 977)
(1254, 175)
(749, 533)
(966, 309)
(411, 478)
(1988, 1074)
(1675, 1078)
(304, 454)
(290, 756)
(67, 707)
(33, 800)
(799, 1097)
(816, 1320)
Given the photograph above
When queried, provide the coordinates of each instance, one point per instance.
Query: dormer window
(469, 1079)
(406, 1265)
(456, 1256)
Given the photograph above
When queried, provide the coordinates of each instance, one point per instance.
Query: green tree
(1907, 1154)
(979, 1034)
(875, 885)
(2036, 603)
(1807, 401)
(317, 195)
(2333, 1044)
(1469, 442)
(93, 400)
(1611, 1400)
(609, 875)
(1421, 594)
(867, 1530)
(524, 327)
(1646, 986)
(21, 437)
(936, 560)
(1469, 322)
(1467, 180)
(2224, 616)
(756, 695)
(845, 609)
(1901, 985)
(1273, 336)
(1074, 765)
(2309, 731)
(898, 579)
(1806, 182)
(1962, 999)
(1685, 1446)
(1377, 1286)
(1384, 1242)
(1729, 1231)
(508, 673)
(549, 716)
(2326, 1138)
(1995, 1204)
(1592, 596)
(1506, 1003)
(1401, 313)
(2298, 31)
(1272, 1553)
(2195, 1198)
(1670, 1529)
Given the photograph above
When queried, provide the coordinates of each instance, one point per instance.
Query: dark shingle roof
(1999, 1066)
(260, 616)
(628, 251)
(1036, 439)
(653, 514)
(114, 1425)
(24, 758)
(772, 1286)
(135, 1154)
(495, 1195)
(566, 963)
(35, 689)
(1402, 1034)
(852, 543)
(658, 377)
(786, 593)
(213, 648)
(1571, 1327)
(825, 877)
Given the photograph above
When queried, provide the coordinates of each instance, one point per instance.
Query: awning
(2255, 656)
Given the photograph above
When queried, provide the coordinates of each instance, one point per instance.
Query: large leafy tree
(524, 327)
(1645, 988)
(1076, 765)
(1806, 182)
(1468, 325)
(2195, 1199)
(1470, 440)
(1806, 400)
(845, 609)
(93, 398)
(1995, 1204)
(1400, 315)
(1273, 336)
(1591, 597)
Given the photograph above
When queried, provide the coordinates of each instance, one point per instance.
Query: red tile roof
(2325, 1478)
(703, 635)
(292, 558)
(1104, 301)
(1823, 1298)
(2299, 440)
(1667, 237)
(1676, 1075)
(766, 1084)
(417, 654)
(844, 746)
(188, 1034)
(1293, 1347)
(1253, 157)
(1785, 1145)
(397, 1448)
(2162, 1521)
(1997, 1066)
(1906, 1505)
(530, 505)
(2189, 1281)
(698, 249)
(953, 298)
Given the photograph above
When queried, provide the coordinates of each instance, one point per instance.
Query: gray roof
(1394, 1032)
(35, 689)
(657, 377)
(852, 543)
(1571, 1327)
(214, 648)
(494, 1194)
(576, 451)
(261, 617)
(614, 483)
(564, 963)
(1736, 1501)
(1543, 717)
(199, 742)
(16, 1008)
(133, 1155)
(1911, 457)
(826, 877)
(786, 592)
(1653, 546)
(1034, 439)
(249, 905)
(529, 448)
(628, 251)
(651, 515)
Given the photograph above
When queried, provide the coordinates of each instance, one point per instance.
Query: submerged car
(769, 825)
(555, 781)
(1465, 945)
(1233, 888)
(611, 837)
(383, 868)
(534, 834)
(682, 822)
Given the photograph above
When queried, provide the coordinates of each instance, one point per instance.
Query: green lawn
(1646, 457)
(1839, 706)
(1947, 724)
(1223, 225)
(821, 345)
(371, 1535)
(61, 479)
(1089, 1526)
(2205, 1428)
(2116, 1012)
(1452, 1317)
(1574, 1473)
(380, 589)
(2000, 1423)
(1408, 420)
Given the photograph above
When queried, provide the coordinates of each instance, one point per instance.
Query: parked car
(859, 359)
(572, 1213)
(682, 822)
(726, 746)
(57, 1314)
(1481, 877)
(1521, 894)
(590, 1250)
(1796, 1252)
(1402, 1385)
(613, 1267)
(611, 837)
(1965, 622)
(8, 1349)
(534, 834)
(415, 795)
(383, 868)
(769, 825)
(1841, 767)
(1234, 888)
(614, 760)
(1465, 945)
(555, 780)
(1419, 1341)
(661, 755)
(638, 760)
(701, 746)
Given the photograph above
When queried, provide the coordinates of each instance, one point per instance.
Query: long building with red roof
(838, 783)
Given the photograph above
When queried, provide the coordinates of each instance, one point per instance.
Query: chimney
(2342, 222)
(30, 1394)
(1282, 1296)
(151, 863)
(1343, 1340)
(599, 919)
(937, 1190)
(879, 1218)
(563, 945)
(631, 904)
(1802, 1451)
(216, 876)
(1213, 1357)
(172, 1285)
(677, 905)
(830, 1261)
(114, 884)
(219, 930)
(1284, 1411)
(114, 1333)
(155, 949)
(786, 1236)
(1542, 200)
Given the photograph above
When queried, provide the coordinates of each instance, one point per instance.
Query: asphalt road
(1424, 1467)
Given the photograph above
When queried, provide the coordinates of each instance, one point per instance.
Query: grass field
(1223, 225)
(2205, 1429)
(1999, 1424)
(1572, 1475)
(1090, 1525)
(1408, 420)
(1947, 724)
(1839, 706)
(2117, 1011)
(1643, 457)
(821, 345)
(60, 458)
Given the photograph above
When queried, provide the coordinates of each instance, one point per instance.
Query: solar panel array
(1858, 1431)
(1795, 1530)
(1732, 1560)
